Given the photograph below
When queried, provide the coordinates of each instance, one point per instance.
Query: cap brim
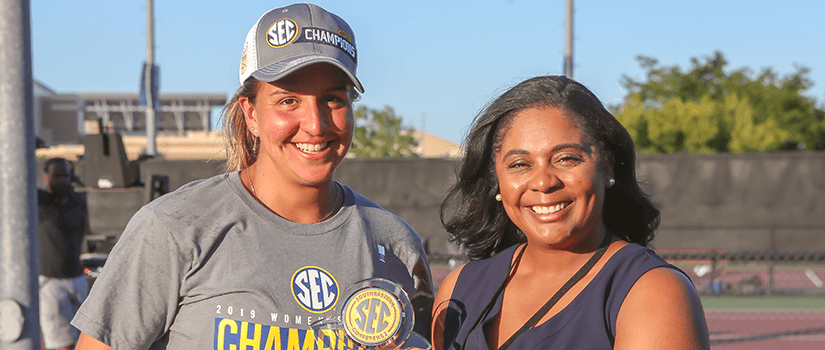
(280, 70)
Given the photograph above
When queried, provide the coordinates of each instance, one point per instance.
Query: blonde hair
(239, 140)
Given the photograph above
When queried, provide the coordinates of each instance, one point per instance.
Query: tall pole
(568, 44)
(151, 120)
(19, 259)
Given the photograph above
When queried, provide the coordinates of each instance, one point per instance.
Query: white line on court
(814, 278)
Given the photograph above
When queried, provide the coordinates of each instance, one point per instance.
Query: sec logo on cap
(281, 33)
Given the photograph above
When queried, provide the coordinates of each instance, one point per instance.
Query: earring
(611, 182)
(254, 142)
(498, 197)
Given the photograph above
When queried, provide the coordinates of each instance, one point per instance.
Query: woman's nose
(545, 180)
(315, 118)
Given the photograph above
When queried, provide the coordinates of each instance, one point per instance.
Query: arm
(440, 305)
(662, 311)
(86, 342)
(86, 230)
(134, 300)
(422, 300)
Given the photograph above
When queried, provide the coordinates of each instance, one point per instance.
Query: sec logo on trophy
(372, 316)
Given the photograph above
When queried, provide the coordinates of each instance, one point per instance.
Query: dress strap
(492, 301)
(566, 287)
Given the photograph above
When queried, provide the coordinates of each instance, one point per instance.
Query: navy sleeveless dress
(588, 322)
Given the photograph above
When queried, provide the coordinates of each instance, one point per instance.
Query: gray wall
(724, 201)
(739, 201)
(412, 188)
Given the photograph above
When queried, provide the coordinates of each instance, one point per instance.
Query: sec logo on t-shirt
(315, 289)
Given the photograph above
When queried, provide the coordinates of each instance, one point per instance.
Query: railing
(748, 263)
(716, 271)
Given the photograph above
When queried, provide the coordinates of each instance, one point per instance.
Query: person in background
(548, 208)
(250, 258)
(63, 222)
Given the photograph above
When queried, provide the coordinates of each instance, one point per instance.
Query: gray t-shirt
(208, 267)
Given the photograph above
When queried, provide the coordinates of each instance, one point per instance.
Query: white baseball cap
(288, 38)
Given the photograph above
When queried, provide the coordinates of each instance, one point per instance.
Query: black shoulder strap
(570, 283)
(492, 301)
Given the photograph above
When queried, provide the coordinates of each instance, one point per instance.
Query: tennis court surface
(766, 329)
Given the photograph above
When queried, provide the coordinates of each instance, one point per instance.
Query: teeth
(311, 147)
(548, 210)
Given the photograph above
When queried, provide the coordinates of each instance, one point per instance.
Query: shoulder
(445, 289)
(198, 204)
(440, 306)
(631, 261)
(664, 284)
(488, 270)
(478, 276)
(202, 189)
(635, 271)
(664, 302)
(386, 228)
(375, 216)
(78, 197)
(365, 204)
(200, 197)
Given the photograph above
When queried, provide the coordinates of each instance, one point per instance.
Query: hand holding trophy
(376, 314)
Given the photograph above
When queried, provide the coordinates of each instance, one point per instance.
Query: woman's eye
(568, 159)
(518, 165)
(335, 101)
(288, 101)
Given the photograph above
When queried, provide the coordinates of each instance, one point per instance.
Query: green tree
(378, 133)
(709, 109)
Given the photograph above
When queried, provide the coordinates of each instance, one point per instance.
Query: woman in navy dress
(549, 211)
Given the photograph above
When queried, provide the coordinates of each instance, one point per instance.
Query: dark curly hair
(476, 221)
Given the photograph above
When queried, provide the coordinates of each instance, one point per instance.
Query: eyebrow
(579, 146)
(279, 90)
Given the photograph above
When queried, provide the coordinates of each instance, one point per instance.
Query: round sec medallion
(373, 316)
(376, 312)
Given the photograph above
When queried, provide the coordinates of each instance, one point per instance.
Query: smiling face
(551, 179)
(304, 122)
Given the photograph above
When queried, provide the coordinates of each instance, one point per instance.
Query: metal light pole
(568, 43)
(149, 77)
(19, 259)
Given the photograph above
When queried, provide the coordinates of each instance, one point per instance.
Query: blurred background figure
(62, 224)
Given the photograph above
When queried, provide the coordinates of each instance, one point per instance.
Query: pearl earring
(611, 182)
(498, 197)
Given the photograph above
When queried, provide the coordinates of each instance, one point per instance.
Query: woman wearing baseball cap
(254, 256)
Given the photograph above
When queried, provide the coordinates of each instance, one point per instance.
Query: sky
(436, 63)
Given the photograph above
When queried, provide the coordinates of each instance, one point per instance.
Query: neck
(295, 202)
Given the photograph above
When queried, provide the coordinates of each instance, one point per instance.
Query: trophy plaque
(376, 314)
